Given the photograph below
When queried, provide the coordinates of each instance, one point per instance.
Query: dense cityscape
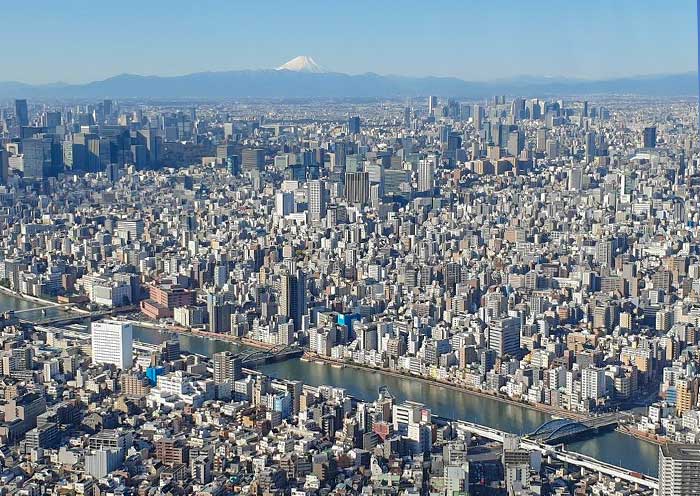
(534, 251)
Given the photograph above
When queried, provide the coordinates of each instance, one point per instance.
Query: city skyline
(487, 43)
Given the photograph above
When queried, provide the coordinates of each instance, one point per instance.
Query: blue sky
(78, 40)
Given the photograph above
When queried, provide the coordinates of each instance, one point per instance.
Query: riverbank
(229, 338)
(43, 301)
(554, 411)
(448, 385)
(333, 362)
(25, 297)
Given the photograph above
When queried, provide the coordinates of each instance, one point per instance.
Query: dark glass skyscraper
(21, 112)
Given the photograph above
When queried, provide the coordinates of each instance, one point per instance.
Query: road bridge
(561, 430)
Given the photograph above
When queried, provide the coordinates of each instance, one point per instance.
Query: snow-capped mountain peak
(302, 63)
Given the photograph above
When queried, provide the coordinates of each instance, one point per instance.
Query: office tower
(517, 109)
(477, 116)
(604, 251)
(112, 343)
(357, 187)
(679, 469)
(68, 154)
(99, 154)
(227, 367)
(151, 141)
(504, 336)
(649, 137)
(252, 159)
(589, 145)
(445, 131)
(4, 166)
(575, 179)
(130, 229)
(284, 203)
(107, 108)
(354, 125)
(317, 200)
(51, 119)
(407, 117)
(516, 142)
(340, 154)
(541, 140)
(37, 157)
(426, 173)
(219, 313)
(432, 104)
(584, 110)
(292, 302)
(21, 112)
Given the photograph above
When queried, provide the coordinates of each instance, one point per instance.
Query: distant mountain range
(307, 80)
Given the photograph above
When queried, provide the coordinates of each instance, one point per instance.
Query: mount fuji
(302, 63)
(302, 77)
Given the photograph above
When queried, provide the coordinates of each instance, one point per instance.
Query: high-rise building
(112, 343)
(151, 141)
(37, 157)
(227, 367)
(432, 104)
(107, 108)
(649, 137)
(679, 470)
(357, 187)
(504, 336)
(21, 112)
(219, 313)
(593, 383)
(516, 142)
(317, 200)
(354, 125)
(541, 144)
(4, 166)
(426, 173)
(589, 146)
(292, 302)
(407, 117)
(284, 203)
(252, 159)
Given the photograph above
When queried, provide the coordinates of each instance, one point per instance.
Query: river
(613, 447)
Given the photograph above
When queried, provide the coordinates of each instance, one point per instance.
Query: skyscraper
(293, 297)
(227, 367)
(590, 148)
(432, 104)
(426, 172)
(21, 112)
(516, 142)
(37, 157)
(354, 125)
(317, 200)
(357, 187)
(112, 343)
(649, 137)
(679, 469)
(4, 166)
(407, 117)
(219, 313)
(252, 159)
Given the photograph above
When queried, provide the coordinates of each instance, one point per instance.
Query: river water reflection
(612, 447)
